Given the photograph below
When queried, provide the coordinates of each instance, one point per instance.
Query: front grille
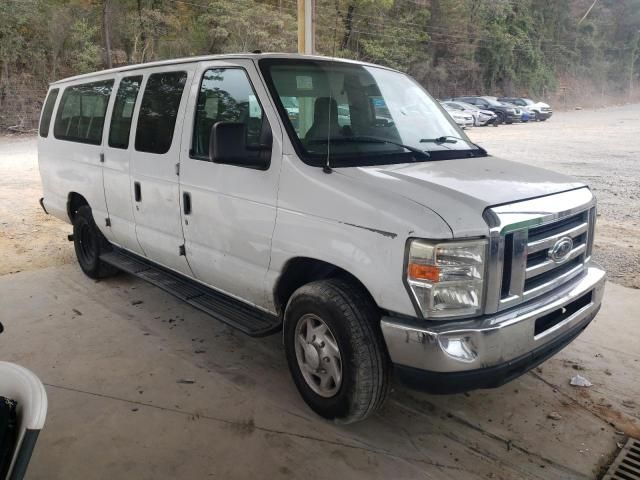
(528, 269)
(530, 250)
(540, 269)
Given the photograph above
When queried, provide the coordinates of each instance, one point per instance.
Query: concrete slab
(118, 409)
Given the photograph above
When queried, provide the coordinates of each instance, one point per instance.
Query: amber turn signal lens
(424, 272)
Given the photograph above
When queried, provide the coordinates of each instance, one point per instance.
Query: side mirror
(228, 145)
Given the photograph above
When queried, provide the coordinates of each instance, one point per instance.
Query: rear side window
(123, 111)
(158, 111)
(80, 116)
(225, 96)
(47, 111)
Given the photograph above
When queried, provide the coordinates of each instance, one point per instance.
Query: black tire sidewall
(338, 406)
(84, 226)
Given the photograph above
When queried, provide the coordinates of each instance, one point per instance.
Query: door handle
(137, 191)
(186, 202)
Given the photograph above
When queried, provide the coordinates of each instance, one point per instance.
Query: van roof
(178, 61)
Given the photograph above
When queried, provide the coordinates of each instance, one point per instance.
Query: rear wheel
(335, 350)
(89, 244)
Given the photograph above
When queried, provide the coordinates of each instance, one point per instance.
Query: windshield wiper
(415, 150)
(452, 139)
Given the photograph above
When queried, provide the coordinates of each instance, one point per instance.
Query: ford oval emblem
(561, 250)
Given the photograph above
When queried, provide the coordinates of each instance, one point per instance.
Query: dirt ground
(142, 386)
(29, 239)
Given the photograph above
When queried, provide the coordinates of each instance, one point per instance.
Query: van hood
(460, 190)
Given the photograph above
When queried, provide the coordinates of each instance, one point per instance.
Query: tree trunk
(143, 37)
(348, 27)
(106, 32)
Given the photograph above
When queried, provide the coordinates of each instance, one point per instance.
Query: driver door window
(226, 95)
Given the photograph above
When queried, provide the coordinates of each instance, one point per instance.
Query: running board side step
(247, 319)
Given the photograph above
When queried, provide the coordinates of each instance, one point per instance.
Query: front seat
(325, 120)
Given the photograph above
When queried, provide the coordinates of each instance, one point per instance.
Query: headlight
(447, 279)
(511, 110)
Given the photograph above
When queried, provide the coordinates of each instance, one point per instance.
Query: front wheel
(335, 350)
(89, 244)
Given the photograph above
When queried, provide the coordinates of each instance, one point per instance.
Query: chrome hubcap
(318, 355)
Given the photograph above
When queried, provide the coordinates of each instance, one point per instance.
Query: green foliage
(247, 25)
(85, 53)
(531, 47)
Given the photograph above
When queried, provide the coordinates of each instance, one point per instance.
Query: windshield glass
(357, 115)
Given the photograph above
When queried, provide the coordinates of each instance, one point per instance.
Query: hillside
(572, 52)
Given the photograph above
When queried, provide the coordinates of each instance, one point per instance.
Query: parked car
(541, 110)
(480, 117)
(505, 113)
(377, 248)
(293, 109)
(526, 115)
(463, 119)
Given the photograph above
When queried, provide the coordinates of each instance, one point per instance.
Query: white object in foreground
(23, 386)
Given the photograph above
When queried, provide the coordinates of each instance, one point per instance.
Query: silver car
(480, 117)
(463, 119)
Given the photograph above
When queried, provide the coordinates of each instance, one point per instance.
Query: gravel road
(602, 147)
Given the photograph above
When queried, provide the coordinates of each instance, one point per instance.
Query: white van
(333, 200)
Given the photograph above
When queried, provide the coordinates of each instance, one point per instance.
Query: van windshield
(356, 115)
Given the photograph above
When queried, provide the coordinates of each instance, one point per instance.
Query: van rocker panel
(240, 315)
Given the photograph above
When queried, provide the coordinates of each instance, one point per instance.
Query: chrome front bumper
(500, 340)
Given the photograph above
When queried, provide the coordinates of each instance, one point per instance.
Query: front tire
(89, 244)
(335, 350)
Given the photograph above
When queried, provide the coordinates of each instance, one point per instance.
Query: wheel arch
(299, 271)
(74, 202)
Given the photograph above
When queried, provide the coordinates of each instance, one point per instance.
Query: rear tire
(89, 244)
(332, 330)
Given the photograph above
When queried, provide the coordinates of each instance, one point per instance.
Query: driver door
(229, 211)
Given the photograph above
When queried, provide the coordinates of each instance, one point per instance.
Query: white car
(540, 110)
(378, 245)
(462, 119)
(480, 117)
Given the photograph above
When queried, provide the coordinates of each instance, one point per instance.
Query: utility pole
(632, 62)
(306, 27)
